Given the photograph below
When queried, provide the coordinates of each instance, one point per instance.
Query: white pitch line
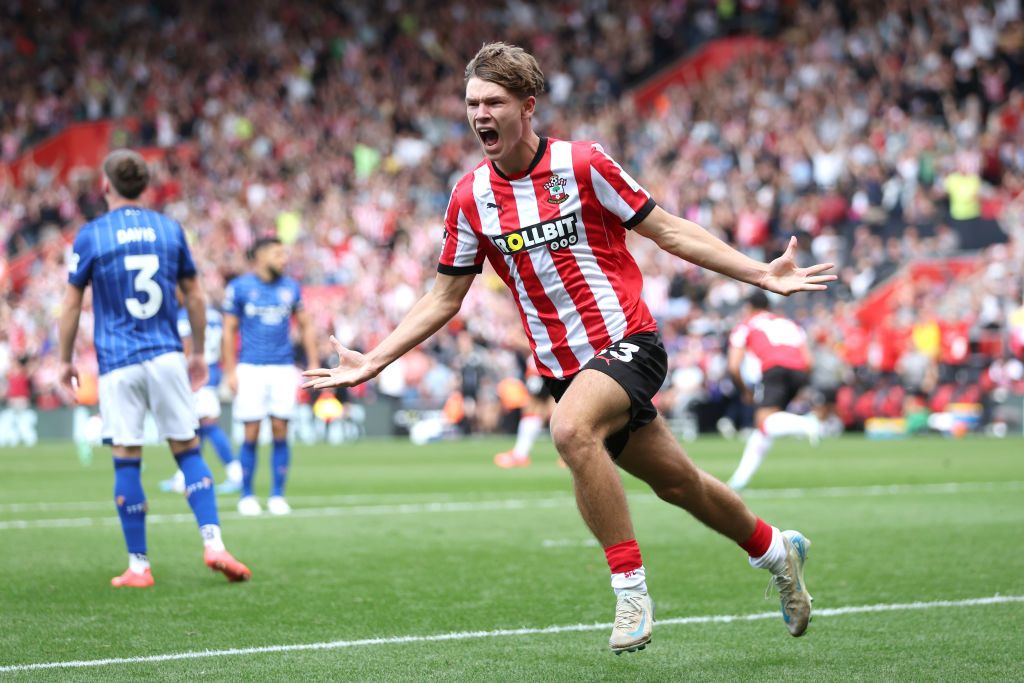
(355, 511)
(504, 633)
(342, 499)
(511, 503)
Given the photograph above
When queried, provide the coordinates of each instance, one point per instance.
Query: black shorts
(538, 388)
(639, 364)
(779, 386)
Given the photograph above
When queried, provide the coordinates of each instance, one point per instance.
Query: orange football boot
(222, 561)
(132, 579)
(508, 460)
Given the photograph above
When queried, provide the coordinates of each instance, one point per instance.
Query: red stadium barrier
(714, 56)
(877, 305)
(78, 145)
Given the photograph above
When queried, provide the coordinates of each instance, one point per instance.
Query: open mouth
(489, 137)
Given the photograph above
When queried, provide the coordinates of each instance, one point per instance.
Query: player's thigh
(775, 392)
(284, 385)
(170, 397)
(123, 404)
(251, 404)
(207, 403)
(594, 403)
(654, 455)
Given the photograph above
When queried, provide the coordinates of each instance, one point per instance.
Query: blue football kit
(134, 257)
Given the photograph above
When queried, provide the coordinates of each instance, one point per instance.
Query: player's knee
(572, 437)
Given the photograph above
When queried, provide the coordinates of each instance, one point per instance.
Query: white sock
(233, 470)
(138, 562)
(211, 537)
(786, 424)
(757, 447)
(775, 558)
(635, 581)
(526, 434)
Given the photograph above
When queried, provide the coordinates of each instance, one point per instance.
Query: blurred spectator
(340, 129)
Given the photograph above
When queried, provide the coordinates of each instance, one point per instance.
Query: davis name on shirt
(126, 235)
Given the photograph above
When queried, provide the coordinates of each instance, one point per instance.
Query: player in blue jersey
(208, 403)
(259, 307)
(135, 258)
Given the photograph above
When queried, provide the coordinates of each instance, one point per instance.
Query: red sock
(759, 541)
(624, 557)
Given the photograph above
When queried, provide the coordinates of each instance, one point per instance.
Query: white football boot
(634, 618)
(248, 506)
(793, 595)
(277, 505)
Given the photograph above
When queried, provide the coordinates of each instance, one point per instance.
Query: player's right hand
(232, 380)
(69, 378)
(353, 368)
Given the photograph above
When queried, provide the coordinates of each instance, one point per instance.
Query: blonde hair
(509, 66)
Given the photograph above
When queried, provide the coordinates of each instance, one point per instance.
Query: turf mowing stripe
(510, 504)
(502, 633)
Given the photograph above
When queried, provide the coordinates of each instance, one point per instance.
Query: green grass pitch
(454, 567)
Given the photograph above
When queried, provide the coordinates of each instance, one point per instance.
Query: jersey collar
(541, 148)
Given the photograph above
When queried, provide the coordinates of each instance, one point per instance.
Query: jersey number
(147, 265)
(624, 352)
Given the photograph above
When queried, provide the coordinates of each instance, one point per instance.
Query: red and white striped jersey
(774, 340)
(556, 234)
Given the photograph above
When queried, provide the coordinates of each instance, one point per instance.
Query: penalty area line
(504, 633)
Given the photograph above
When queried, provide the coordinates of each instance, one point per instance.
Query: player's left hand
(783, 276)
(198, 372)
(353, 369)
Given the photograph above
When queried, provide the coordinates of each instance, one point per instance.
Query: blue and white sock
(200, 496)
(247, 456)
(131, 503)
(281, 457)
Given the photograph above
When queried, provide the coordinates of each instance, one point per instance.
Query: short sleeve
(461, 252)
(81, 259)
(617, 191)
(738, 337)
(231, 295)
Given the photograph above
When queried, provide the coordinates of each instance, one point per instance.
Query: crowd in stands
(878, 133)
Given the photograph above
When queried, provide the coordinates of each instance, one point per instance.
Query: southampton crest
(556, 186)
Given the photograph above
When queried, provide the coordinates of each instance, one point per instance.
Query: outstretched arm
(426, 317)
(689, 241)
